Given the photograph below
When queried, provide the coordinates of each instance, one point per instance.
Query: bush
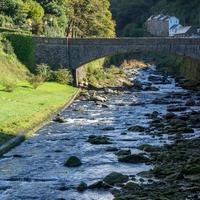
(6, 21)
(9, 85)
(44, 71)
(62, 76)
(36, 81)
(7, 47)
(24, 46)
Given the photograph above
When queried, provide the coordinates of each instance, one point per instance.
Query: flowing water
(35, 169)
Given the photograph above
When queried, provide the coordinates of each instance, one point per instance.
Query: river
(35, 169)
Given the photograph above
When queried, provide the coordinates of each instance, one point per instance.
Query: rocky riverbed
(140, 142)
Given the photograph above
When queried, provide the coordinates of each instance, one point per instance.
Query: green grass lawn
(25, 106)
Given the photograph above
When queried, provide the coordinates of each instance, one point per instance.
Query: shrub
(6, 21)
(9, 85)
(24, 46)
(36, 81)
(7, 47)
(44, 71)
(62, 76)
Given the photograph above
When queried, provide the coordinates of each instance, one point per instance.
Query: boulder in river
(133, 158)
(190, 102)
(93, 139)
(148, 148)
(115, 178)
(95, 98)
(131, 186)
(169, 115)
(99, 185)
(59, 119)
(123, 152)
(108, 128)
(82, 187)
(73, 161)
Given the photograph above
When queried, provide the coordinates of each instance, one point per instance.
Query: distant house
(165, 25)
(160, 25)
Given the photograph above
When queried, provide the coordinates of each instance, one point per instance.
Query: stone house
(160, 25)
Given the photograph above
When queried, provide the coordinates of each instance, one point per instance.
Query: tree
(90, 18)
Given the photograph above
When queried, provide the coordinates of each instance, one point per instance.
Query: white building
(160, 25)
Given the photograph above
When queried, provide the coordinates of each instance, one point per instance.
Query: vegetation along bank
(29, 94)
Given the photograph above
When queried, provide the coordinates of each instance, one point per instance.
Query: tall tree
(90, 18)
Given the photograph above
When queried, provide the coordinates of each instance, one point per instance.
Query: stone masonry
(75, 52)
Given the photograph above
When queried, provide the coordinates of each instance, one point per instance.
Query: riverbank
(176, 171)
(26, 108)
(134, 143)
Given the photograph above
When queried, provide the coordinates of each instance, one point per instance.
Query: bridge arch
(75, 52)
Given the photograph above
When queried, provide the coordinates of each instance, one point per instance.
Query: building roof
(160, 17)
(183, 29)
(176, 26)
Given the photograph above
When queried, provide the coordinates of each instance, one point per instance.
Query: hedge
(24, 47)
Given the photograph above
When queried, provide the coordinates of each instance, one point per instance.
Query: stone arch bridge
(75, 52)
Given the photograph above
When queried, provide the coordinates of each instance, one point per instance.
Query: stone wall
(74, 53)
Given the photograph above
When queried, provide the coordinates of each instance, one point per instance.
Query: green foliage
(62, 76)
(24, 47)
(7, 47)
(10, 67)
(98, 76)
(6, 21)
(44, 71)
(9, 85)
(74, 18)
(90, 18)
(36, 81)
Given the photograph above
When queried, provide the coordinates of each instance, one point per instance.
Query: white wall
(173, 21)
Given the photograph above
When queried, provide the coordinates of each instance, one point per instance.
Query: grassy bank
(99, 76)
(25, 106)
(11, 68)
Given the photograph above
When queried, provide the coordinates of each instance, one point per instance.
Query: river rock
(99, 185)
(59, 119)
(115, 178)
(152, 115)
(110, 91)
(137, 84)
(131, 186)
(80, 109)
(161, 101)
(82, 187)
(108, 128)
(190, 103)
(189, 84)
(99, 98)
(123, 152)
(178, 122)
(93, 139)
(148, 148)
(133, 158)
(73, 161)
(169, 115)
(136, 128)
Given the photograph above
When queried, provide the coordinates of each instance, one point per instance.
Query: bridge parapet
(73, 53)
